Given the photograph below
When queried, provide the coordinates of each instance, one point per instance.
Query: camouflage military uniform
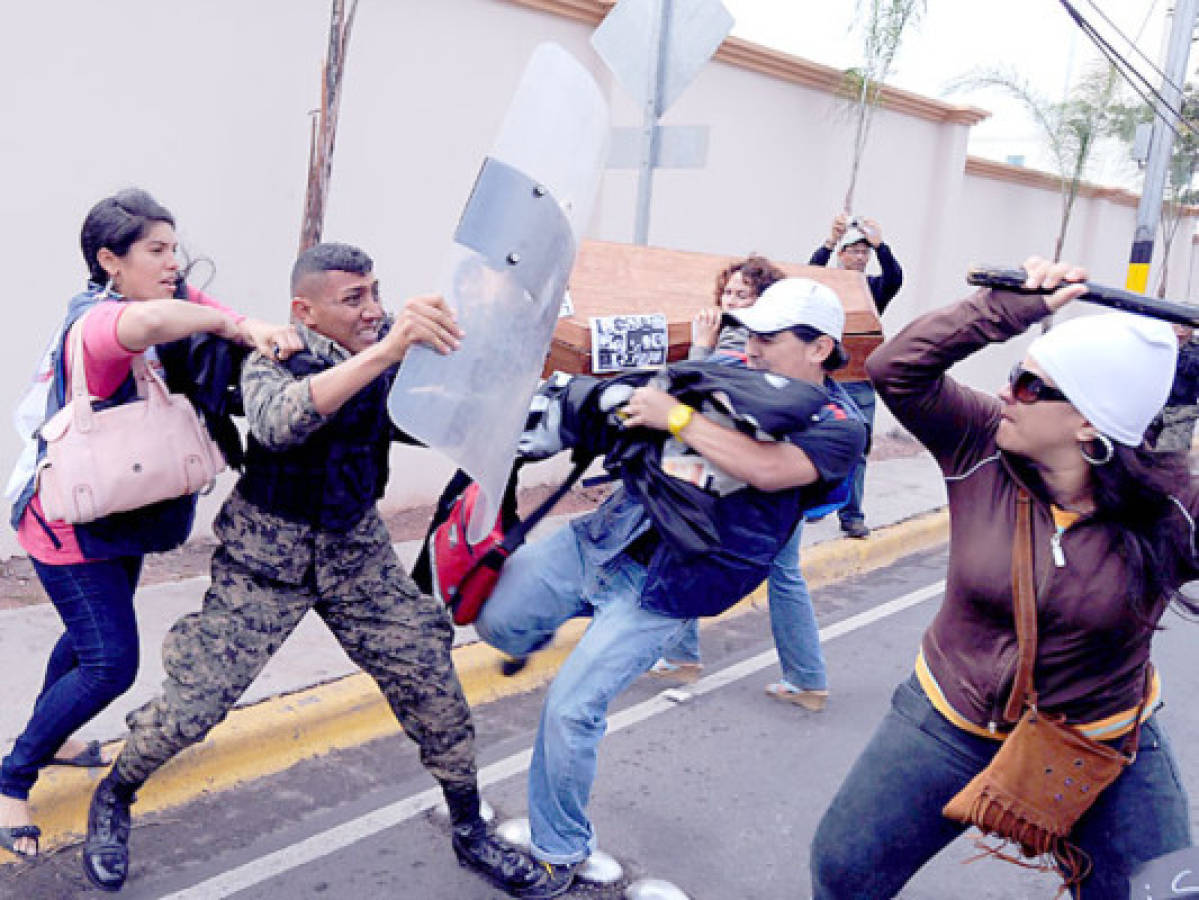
(269, 571)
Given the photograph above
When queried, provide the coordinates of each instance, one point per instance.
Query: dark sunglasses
(1028, 387)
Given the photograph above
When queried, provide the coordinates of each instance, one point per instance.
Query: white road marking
(334, 839)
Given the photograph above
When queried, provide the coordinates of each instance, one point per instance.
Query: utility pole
(1161, 144)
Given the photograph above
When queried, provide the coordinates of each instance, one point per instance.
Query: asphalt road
(719, 794)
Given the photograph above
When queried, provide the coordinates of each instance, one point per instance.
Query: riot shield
(513, 251)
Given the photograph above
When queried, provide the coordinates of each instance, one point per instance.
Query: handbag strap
(1024, 603)
(81, 395)
(1024, 608)
(148, 383)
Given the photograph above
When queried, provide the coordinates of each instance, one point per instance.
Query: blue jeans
(885, 822)
(862, 394)
(93, 663)
(792, 622)
(543, 585)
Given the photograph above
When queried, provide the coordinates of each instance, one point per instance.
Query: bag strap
(514, 538)
(81, 395)
(1024, 602)
(495, 557)
(1024, 608)
(79, 386)
(149, 384)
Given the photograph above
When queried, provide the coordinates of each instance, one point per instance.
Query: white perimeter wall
(206, 105)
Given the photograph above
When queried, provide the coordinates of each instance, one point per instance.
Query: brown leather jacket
(1092, 650)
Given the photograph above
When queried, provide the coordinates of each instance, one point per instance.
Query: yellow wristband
(679, 418)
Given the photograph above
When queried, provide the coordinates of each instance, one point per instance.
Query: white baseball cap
(790, 302)
(796, 301)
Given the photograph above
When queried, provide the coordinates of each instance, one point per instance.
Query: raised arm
(884, 287)
(822, 254)
(908, 370)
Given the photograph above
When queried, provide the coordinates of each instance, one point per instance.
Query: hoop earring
(1109, 450)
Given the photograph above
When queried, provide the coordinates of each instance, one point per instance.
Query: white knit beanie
(1115, 368)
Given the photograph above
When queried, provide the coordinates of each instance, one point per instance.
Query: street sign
(624, 41)
(677, 147)
(655, 48)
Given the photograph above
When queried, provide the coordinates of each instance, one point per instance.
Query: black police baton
(1115, 298)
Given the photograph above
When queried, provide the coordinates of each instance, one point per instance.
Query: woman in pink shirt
(90, 571)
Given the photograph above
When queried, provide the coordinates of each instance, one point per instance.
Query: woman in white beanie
(1112, 538)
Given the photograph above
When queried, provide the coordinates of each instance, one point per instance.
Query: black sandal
(90, 757)
(10, 835)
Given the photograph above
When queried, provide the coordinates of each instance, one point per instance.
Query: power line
(1131, 75)
(1141, 53)
(1126, 69)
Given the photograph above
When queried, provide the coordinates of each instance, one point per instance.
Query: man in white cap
(625, 568)
(853, 242)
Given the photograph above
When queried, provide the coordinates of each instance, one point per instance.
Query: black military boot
(506, 867)
(106, 847)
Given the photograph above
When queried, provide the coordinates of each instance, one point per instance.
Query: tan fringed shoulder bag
(1047, 773)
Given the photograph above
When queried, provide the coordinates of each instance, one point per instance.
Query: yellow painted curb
(273, 735)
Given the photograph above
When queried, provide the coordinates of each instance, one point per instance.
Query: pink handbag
(124, 457)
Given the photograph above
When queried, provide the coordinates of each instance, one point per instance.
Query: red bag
(464, 574)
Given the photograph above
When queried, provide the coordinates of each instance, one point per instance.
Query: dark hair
(758, 272)
(117, 222)
(329, 258)
(836, 359)
(1134, 493)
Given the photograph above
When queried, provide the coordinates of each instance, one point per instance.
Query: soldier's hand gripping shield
(513, 251)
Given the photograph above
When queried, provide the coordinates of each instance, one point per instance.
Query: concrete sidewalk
(311, 698)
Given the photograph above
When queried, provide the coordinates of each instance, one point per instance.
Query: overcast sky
(1034, 36)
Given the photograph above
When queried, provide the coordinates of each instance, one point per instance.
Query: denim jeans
(862, 394)
(542, 586)
(792, 622)
(885, 821)
(93, 663)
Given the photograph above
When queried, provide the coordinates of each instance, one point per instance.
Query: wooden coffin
(610, 279)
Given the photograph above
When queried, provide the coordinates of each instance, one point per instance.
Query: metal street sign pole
(1161, 145)
(649, 122)
(655, 48)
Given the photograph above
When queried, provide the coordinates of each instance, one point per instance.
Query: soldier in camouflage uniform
(301, 531)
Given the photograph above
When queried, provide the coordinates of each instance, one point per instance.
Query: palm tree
(882, 24)
(1071, 127)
